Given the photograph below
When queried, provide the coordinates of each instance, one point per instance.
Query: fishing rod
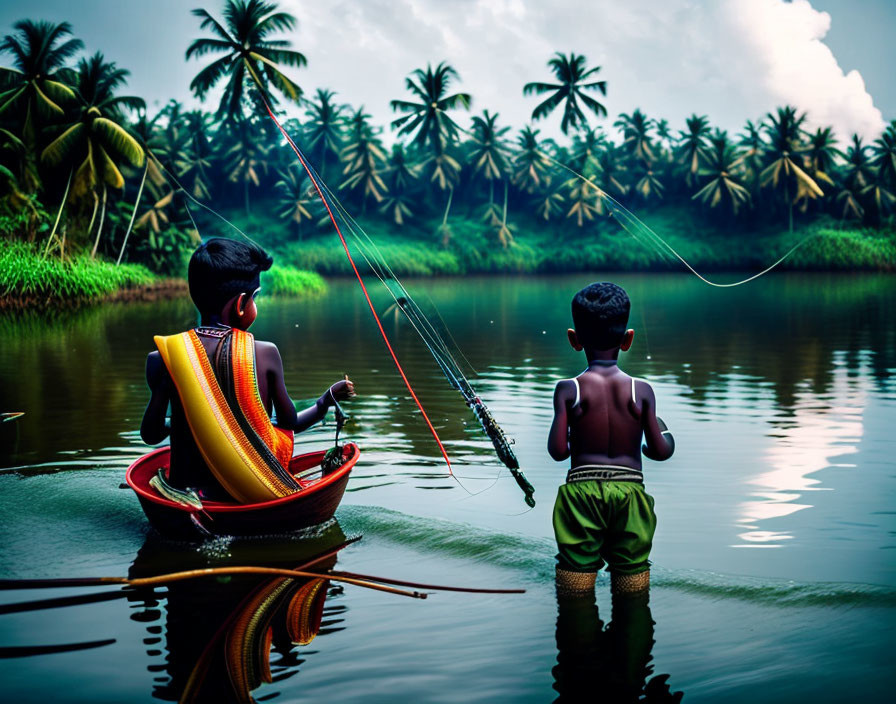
(438, 348)
(431, 338)
(333, 207)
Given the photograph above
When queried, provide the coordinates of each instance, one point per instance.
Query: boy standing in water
(218, 375)
(602, 514)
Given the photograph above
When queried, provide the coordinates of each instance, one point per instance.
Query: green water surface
(774, 575)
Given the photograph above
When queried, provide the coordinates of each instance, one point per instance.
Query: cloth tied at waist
(603, 473)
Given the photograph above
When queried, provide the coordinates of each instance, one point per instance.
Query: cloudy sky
(729, 59)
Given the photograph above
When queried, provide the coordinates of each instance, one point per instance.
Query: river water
(774, 573)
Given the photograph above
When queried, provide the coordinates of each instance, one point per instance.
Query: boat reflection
(220, 634)
(607, 664)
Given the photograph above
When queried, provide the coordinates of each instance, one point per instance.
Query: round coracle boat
(314, 503)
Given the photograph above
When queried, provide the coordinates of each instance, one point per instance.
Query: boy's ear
(627, 340)
(240, 305)
(574, 340)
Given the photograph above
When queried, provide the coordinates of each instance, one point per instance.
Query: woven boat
(315, 503)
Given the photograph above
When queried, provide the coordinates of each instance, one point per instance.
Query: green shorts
(604, 522)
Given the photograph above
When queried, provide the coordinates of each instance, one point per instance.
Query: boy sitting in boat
(602, 514)
(223, 387)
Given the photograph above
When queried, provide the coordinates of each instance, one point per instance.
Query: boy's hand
(343, 390)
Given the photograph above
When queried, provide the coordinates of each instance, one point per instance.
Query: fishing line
(622, 214)
(383, 265)
(619, 210)
(358, 276)
(644, 326)
(495, 433)
(421, 324)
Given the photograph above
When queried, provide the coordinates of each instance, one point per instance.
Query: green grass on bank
(289, 281)
(546, 248)
(26, 274)
(30, 278)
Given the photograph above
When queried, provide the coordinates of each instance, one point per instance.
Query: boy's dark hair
(600, 315)
(221, 269)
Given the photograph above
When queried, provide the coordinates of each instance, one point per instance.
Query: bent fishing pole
(430, 337)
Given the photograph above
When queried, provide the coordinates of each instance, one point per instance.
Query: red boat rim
(350, 449)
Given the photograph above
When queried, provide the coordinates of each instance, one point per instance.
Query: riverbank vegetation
(28, 278)
(88, 173)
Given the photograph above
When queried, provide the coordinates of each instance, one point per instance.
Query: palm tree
(245, 159)
(97, 82)
(531, 168)
(251, 55)
(434, 128)
(753, 147)
(587, 147)
(489, 154)
(95, 144)
(573, 77)
(784, 150)
(549, 203)
(39, 85)
(21, 159)
(402, 173)
(664, 134)
(636, 135)
(584, 194)
(363, 158)
(857, 173)
(884, 151)
(323, 128)
(725, 186)
(156, 216)
(429, 118)
(648, 185)
(294, 198)
(692, 145)
(822, 153)
(489, 157)
(611, 171)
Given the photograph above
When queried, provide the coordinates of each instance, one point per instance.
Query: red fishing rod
(320, 193)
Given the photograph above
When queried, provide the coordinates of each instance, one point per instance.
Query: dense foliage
(82, 165)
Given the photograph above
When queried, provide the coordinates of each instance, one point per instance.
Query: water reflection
(221, 639)
(612, 663)
(819, 432)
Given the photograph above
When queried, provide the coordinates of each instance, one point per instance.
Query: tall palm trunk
(127, 233)
(446, 233)
(789, 207)
(68, 185)
(96, 207)
(99, 228)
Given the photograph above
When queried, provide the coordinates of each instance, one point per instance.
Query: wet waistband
(604, 473)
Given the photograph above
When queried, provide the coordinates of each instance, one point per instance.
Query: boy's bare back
(600, 416)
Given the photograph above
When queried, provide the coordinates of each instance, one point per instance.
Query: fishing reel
(335, 457)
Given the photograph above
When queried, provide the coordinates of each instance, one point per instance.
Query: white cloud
(732, 60)
(795, 66)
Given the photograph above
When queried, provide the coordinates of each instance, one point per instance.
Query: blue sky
(729, 59)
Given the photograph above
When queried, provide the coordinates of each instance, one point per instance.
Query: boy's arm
(558, 438)
(659, 443)
(154, 427)
(285, 409)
